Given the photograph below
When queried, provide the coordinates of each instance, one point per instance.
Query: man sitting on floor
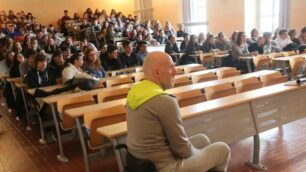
(155, 129)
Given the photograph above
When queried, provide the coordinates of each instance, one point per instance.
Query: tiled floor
(282, 149)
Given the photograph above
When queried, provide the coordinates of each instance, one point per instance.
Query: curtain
(186, 13)
(284, 14)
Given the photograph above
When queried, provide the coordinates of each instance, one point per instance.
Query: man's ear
(156, 73)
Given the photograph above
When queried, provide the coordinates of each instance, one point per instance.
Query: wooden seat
(181, 81)
(261, 62)
(218, 91)
(99, 118)
(273, 78)
(276, 55)
(112, 95)
(203, 77)
(139, 69)
(190, 97)
(207, 59)
(68, 122)
(139, 77)
(297, 66)
(119, 81)
(193, 69)
(179, 71)
(228, 72)
(290, 53)
(247, 84)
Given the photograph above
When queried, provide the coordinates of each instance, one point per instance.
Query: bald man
(155, 129)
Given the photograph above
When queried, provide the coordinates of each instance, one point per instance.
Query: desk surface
(13, 80)
(220, 81)
(4, 75)
(78, 112)
(54, 98)
(287, 58)
(119, 129)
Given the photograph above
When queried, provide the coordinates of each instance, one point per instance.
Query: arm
(172, 125)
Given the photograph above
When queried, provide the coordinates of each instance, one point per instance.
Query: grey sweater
(156, 132)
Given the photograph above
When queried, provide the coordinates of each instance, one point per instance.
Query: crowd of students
(25, 45)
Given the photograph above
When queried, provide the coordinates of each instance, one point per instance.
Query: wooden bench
(221, 117)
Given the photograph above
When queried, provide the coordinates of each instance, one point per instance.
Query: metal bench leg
(26, 109)
(42, 133)
(118, 155)
(61, 157)
(81, 137)
(256, 151)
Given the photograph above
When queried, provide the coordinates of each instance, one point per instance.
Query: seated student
(292, 35)
(40, 75)
(57, 63)
(110, 60)
(169, 29)
(51, 47)
(283, 40)
(270, 45)
(254, 36)
(171, 46)
(141, 51)
(14, 71)
(209, 44)
(258, 45)
(302, 37)
(184, 43)
(192, 46)
(92, 63)
(181, 31)
(160, 37)
(28, 64)
(201, 38)
(129, 58)
(233, 38)
(8, 61)
(66, 52)
(72, 68)
(150, 40)
(240, 48)
(155, 128)
(222, 43)
(69, 43)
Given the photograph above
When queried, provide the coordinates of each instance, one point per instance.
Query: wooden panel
(224, 125)
(274, 111)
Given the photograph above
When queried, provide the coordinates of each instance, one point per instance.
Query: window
(268, 15)
(195, 19)
(262, 14)
(144, 10)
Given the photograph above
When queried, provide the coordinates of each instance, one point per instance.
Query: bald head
(159, 68)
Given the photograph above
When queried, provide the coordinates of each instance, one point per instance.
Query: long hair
(238, 41)
(71, 60)
(96, 64)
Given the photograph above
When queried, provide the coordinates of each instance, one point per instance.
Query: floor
(282, 149)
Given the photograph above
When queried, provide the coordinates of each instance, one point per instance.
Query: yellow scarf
(142, 92)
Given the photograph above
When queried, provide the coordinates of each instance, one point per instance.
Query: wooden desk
(48, 88)
(254, 111)
(285, 60)
(4, 75)
(133, 69)
(77, 113)
(202, 85)
(248, 60)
